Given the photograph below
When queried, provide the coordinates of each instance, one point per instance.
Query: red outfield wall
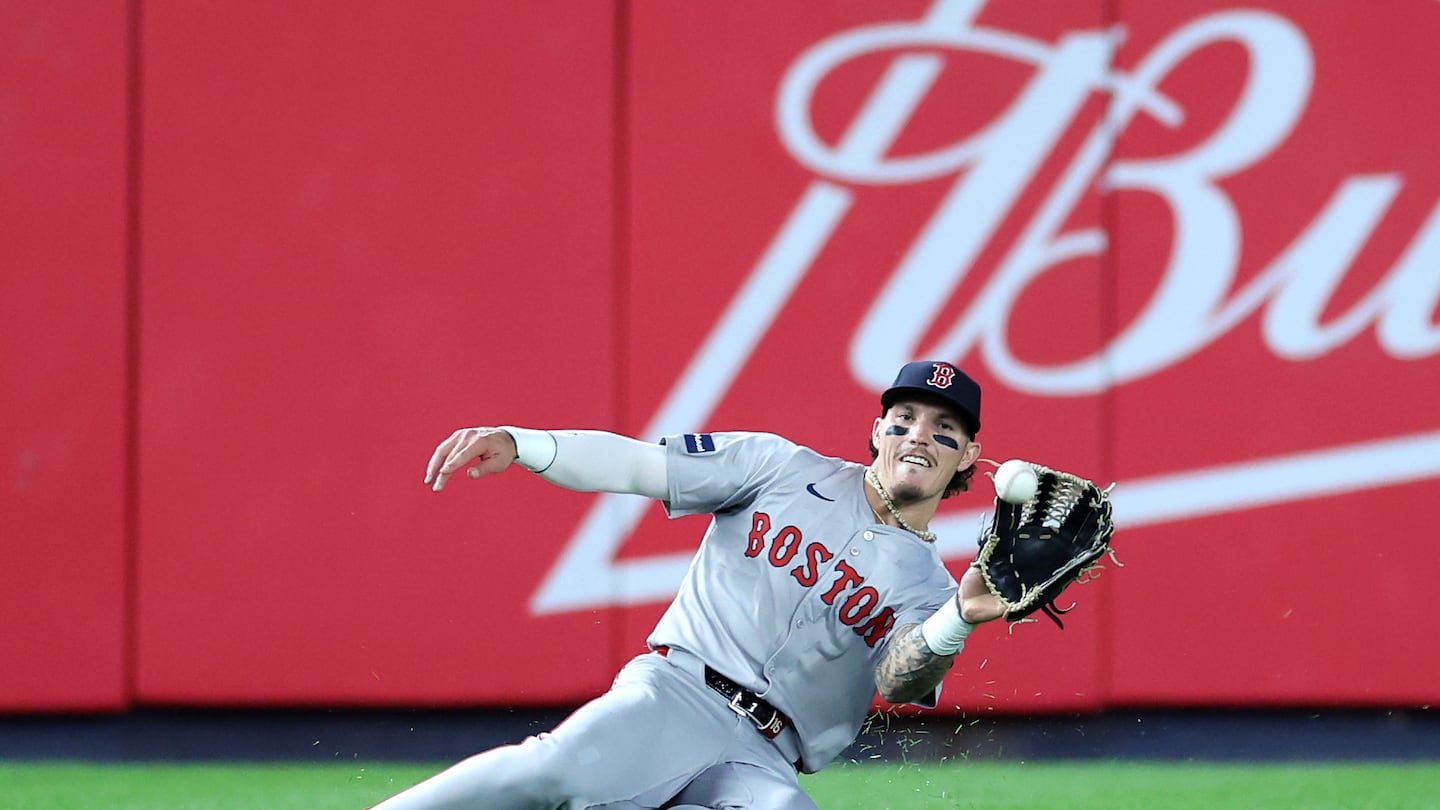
(1193, 249)
(63, 383)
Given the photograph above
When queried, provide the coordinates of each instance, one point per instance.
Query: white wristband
(534, 449)
(944, 632)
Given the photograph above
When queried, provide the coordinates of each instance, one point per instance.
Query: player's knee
(535, 772)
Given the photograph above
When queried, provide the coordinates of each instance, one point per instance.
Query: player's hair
(960, 482)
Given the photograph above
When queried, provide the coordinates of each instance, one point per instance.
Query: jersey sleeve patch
(699, 443)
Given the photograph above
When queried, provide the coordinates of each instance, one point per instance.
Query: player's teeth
(916, 460)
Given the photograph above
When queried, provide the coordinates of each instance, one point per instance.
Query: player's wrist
(534, 449)
(945, 631)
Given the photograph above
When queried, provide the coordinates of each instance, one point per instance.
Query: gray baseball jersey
(796, 589)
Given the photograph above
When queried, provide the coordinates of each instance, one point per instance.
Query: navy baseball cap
(941, 381)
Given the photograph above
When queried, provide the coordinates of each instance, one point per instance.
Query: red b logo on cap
(943, 376)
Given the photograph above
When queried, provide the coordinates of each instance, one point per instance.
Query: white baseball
(1015, 481)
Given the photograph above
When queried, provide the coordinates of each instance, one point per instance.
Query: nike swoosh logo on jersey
(810, 488)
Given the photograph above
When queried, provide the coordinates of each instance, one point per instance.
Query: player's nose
(919, 438)
(924, 431)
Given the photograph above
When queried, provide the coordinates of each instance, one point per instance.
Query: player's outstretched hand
(977, 604)
(491, 450)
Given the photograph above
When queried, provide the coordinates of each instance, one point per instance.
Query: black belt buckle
(749, 706)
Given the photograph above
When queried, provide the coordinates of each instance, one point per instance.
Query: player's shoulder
(717, 441)
(772, 447)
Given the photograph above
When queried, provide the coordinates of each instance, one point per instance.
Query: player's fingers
(484, 465)
(441, 479)
(437, 458)
(479, 449)
(489, 463)
(458, 458)
(980, 609)
(462, 450)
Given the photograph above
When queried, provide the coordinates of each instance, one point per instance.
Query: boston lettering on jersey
(857, 609)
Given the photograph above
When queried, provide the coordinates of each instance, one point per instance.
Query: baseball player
(816, 583)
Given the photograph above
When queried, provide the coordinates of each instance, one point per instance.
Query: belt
(768, 720)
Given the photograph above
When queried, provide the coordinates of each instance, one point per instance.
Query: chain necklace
(874, 480)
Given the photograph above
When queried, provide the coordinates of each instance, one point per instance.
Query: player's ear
(972, 453)
(875, 430)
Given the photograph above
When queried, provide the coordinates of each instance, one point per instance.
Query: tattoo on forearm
(910, 669)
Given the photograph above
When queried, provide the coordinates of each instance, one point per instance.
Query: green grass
(1076, 786)
(1108, 785)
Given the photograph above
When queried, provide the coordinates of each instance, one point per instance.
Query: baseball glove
(1036, 549)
